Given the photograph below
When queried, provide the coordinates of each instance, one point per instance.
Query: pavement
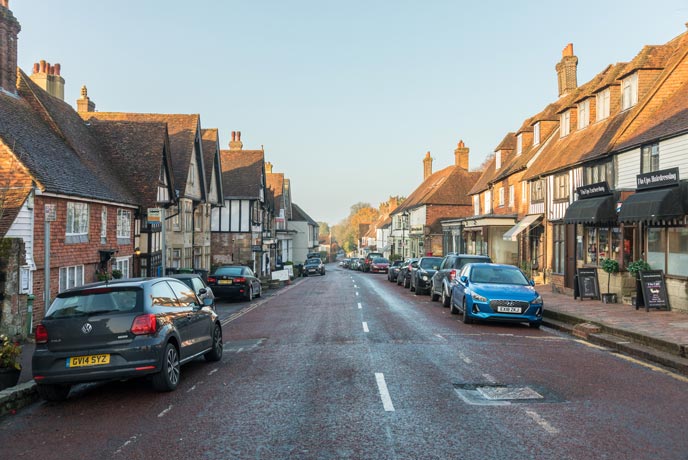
(657, 336)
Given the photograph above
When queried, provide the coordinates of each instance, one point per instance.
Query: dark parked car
(123, 329)
(404, 276)
(369, 260)
(235, 281)
(444, 279)
(314, 266)
(195, 281)
(379, 265)
(422, 277)
(394, 270)
(496, 292)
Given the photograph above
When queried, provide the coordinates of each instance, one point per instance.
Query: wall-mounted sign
(593, 190)
(663, 178)
(257, 248)
(50, 212)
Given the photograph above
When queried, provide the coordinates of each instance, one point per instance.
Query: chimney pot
(57, 69)
(568, 50)
(42, 66)
(238, 135)
(233, 135)
(5, 3)
(36, 66)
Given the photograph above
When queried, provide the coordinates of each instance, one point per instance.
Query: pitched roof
(182, 131)
(211, 158)
(448, 186)
(242, 172)
(56, 147)
(299, 215)
(15, 187)
(139, 150)
(275, 183)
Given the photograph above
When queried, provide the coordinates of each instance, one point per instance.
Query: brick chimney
(461, 156)
(235, 143)
(268, 167)
(48, 77)
(84, 103)
(566, 70)
(9, 31)
(427, 166)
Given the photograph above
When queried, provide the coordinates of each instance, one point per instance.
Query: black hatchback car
(235, 281)
(123, 329)
(446, 277)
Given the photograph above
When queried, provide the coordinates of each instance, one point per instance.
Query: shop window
(559, 248)
(656, 248)
(629, 246)
(678, 252)
(601, 243)
(649, 158)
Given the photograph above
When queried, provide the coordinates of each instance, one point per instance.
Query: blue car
(496, 292)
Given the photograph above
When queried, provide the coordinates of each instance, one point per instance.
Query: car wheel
(53, 392)
(168, 377)
(399, 279)
(249, 294)
(445, 298)
(452, 308)
(465, 318)
(433, 295)
(407, 283)
(260, 291)
(215, 353)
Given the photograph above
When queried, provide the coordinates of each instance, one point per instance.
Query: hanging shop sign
(593, 190)
(663, 178)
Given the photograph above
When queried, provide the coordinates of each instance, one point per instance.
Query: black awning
(597, 210)
(654, 205)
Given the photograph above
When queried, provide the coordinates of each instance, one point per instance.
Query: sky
(346, 97)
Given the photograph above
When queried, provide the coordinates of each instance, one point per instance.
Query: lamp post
(404, 221)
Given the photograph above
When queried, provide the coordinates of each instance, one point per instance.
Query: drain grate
(490, 394)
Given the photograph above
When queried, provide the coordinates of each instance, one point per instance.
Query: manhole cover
(500, 395)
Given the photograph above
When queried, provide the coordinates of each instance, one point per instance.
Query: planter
(609, 298)
(8, 377)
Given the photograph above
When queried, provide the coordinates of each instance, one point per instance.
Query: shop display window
(601, 243)
(656, 248)
(677, 263)
(629, 247)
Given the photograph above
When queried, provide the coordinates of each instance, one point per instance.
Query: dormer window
(519, 144)
(536, 134)
(584, 114)
(565, 124)
(603, 104)
(629, 91)
(498, 159)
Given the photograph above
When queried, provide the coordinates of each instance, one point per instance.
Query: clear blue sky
(345, 96)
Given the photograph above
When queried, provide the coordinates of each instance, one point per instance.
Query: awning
(597, 210)
(654, 205)
(527, 221)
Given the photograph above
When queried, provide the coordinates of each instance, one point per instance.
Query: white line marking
(213, 371)
(356, 293)
(191, 389)
(440, 336)
(489, 378)
(359, 305)
(365, 327)
(465, 358)
(162, 414)
(653, 368)
(128, 441)
(384, 393)
(542, 422)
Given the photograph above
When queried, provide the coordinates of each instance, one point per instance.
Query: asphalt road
(351, 366)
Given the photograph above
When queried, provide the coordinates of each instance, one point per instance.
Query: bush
(638, 266)
(610, 266)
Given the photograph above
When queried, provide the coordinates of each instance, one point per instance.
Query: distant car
(123, 329)
(422, 277)
(404, 276)
(355, 263)
(446, 276)
(195, 281)
(394, 270)
(369, 260)
(496, 292)
(379, 265)
(314, 266)
(343, 262)
(235, 281)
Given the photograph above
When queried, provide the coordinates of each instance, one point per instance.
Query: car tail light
(212, 279)
(240, 280)
(452, 275)
(144, 324)
(41, 335)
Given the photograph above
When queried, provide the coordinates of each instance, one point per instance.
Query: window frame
(584, 114)
(64, 277)
(565, 124)
(649, 158)
(536, 133)
(603, 99)
(629, 91)
(81, 221)
(123, 224)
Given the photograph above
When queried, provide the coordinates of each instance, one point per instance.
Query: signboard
(653, 290)
(281, 275)
(153, 215)
(50, 212)
(257, 248)
(587, 284)
(663, 178)
(593, 190)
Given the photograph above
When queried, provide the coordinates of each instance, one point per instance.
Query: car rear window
(96, 301)
(229, 271)
(430, 262)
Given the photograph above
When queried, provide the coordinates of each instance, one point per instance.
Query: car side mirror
(532, 282)
(464, 279)
(202, 291)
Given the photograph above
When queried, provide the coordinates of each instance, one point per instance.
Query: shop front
(528, 234)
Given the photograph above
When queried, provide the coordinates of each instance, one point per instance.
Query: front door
(570, 268)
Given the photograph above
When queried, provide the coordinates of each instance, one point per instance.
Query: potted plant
(116, 274)
(634, 268)
(10, 364)
(610, 266)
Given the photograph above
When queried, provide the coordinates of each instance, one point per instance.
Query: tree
(324, 228)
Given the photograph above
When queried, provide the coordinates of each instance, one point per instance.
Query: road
(350, 366)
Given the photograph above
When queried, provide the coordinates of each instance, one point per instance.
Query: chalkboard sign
(586, 284)
(653, 289)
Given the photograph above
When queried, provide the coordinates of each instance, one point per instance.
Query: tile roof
(448, 186)
(211, 159)
(139, 151)
(299, 215)
(15, 187)
(56, 147)
(182, 131)
(242, 173)
(275, 183)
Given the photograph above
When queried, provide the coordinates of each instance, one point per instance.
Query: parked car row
(372, 263)
(473, 286)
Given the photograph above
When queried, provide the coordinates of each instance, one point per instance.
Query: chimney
(48, 77)
(461, 156)
(566, 70)
(268, 167)
(427, 166)
(235, 143)
(9, 32)
(84, 103)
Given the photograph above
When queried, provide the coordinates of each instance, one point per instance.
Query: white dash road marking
(384, 393)
(163, 413)
(240, 350)
(359, 305)
(365, 327)
(191, 389)
(489, 378)
(128, 441)
(213, 371)
(440, 336)
(542, 422)
(465, 358)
